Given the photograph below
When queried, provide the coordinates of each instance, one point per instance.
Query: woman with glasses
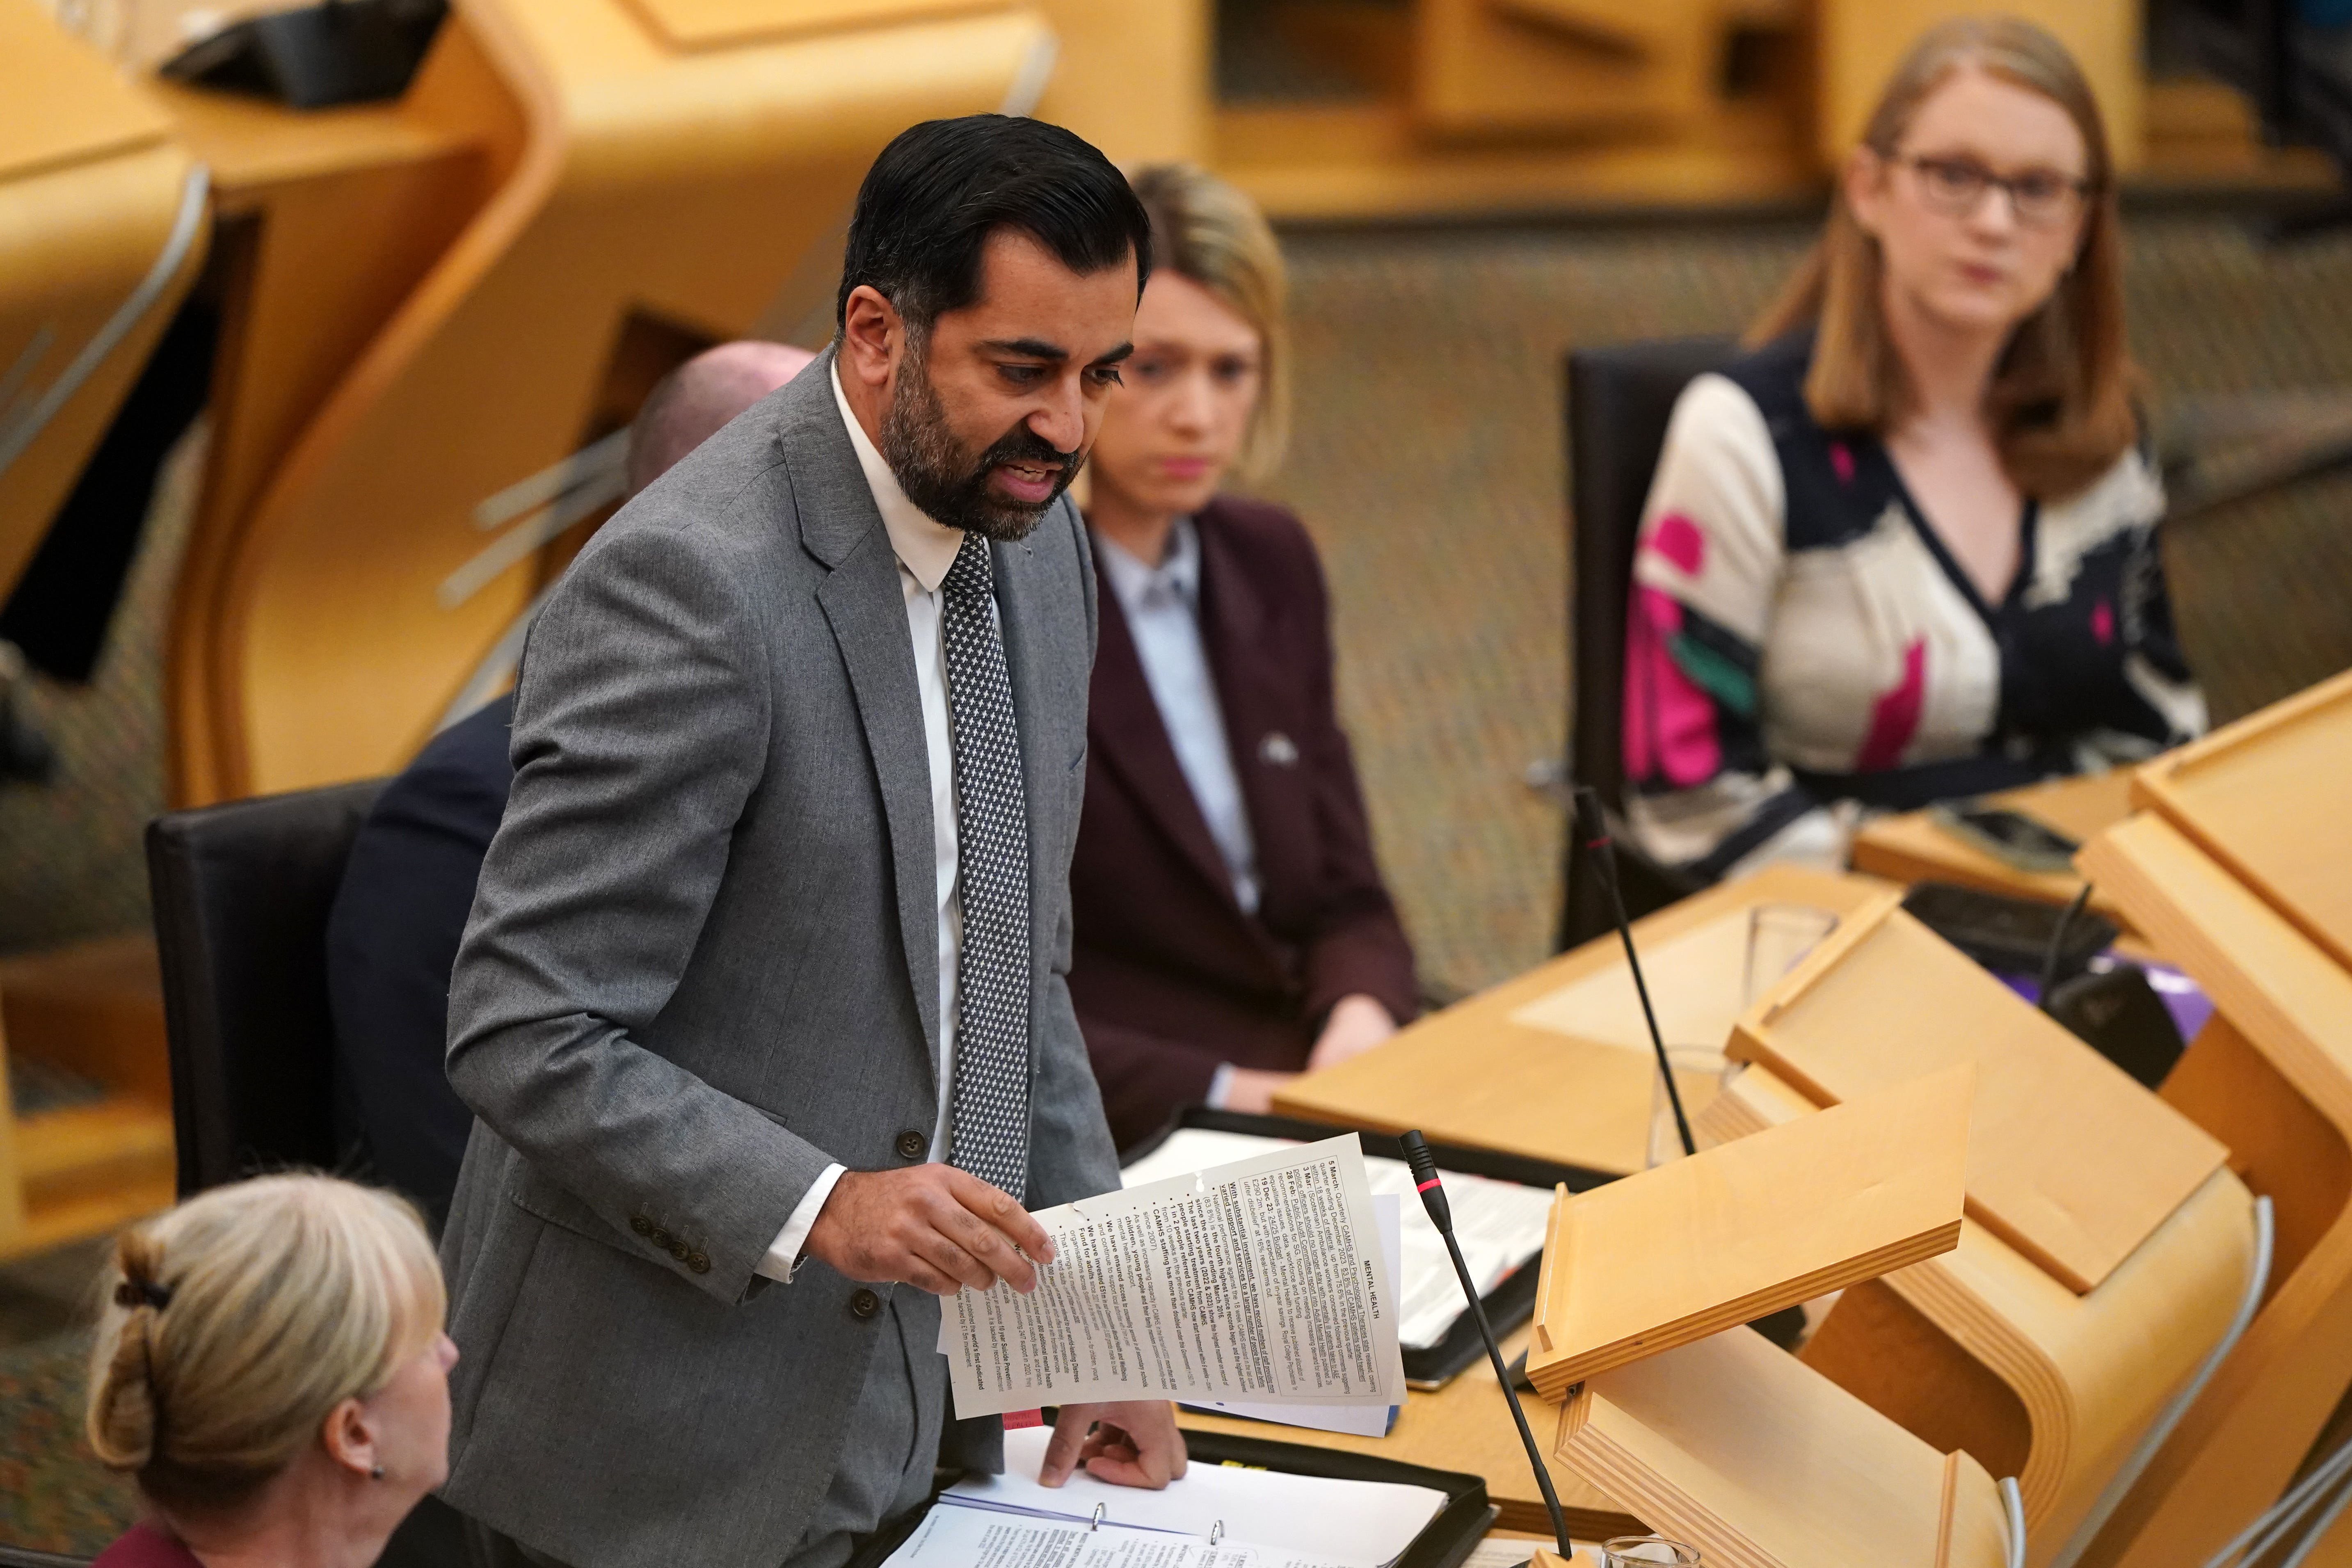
(1905, 550)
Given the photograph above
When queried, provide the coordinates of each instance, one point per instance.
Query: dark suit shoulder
(460, 780)
(1267, 536)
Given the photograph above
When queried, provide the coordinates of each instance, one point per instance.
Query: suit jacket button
(661, 1238)
(680, 1251)
(864, 1304)
(698, 1262)
(912, 1145)
(640, 1225)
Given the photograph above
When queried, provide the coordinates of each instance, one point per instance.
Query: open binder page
(1260, 1280)
(956, 1537)
(1500, 1225)
(1321, 1518)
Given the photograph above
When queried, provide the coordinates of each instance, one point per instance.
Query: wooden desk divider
(1730, 1234)
(2069, 1161)
(2265, 798)
(1555, 1064)
(2271, 1075)
(1743, 1451)
(1979, 1348)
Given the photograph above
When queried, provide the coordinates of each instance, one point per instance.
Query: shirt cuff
(1220, 1086)
(783, 1258)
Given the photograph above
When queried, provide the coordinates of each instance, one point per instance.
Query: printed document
(951, 1536)
(1499, 1226)
(1277, 1517)
(1260, 1280)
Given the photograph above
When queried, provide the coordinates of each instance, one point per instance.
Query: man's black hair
(941, 188)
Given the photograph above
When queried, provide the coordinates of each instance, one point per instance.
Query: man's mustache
(1024, 446)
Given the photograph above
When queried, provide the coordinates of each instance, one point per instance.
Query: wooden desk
(1466, 1426)
(1910, 848)
(1555, 1064)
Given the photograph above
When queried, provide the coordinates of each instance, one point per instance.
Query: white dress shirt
(925, 550)
(1162, 605)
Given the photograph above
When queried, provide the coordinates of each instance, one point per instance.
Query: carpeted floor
(1429, 462)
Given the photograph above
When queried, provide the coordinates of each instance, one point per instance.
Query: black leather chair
(1619, 400)
(241, 893)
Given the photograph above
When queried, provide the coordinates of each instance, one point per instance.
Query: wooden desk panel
(2266, 798)
(2069, 1161)
(1476, 1075)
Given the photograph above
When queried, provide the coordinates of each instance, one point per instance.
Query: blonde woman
(1231, 924)
(270, 1366)
(1905, 548)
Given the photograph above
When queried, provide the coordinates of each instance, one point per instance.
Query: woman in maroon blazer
(1231, 925)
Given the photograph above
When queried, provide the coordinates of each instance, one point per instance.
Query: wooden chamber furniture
(1556, 1064)
(1983, 1349)
(1908, 847)
(2229, 873)
(595, 194)
(102, 229)
(1743, 1451)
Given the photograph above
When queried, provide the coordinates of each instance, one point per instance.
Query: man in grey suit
(761, 1006)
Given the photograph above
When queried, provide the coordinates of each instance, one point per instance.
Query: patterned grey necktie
(991, 1049)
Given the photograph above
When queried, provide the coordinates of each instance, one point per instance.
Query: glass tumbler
(1779, 936)
(1700, 1073)
(1636, 1550)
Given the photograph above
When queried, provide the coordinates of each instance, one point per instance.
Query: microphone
(1590, 822)
(1441, 1214)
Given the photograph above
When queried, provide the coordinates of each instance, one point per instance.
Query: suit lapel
(1251, 672)
(1124, 723)
(866, 609)
(1031, 665)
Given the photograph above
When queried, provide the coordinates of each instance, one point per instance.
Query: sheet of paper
(1259, 1280)
(952, 1537)
(1360, 1524)
(1356, 1420)
(1499, 1225)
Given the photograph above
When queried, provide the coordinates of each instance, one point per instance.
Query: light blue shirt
(1162, 605)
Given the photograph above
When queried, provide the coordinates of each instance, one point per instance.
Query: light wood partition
(1749, 1227)
(2272, 1076)
(1746, 1453)
(102, 229)
(2070, 1161)
(1557, 1063)
(1858, 43)
(1908, 847)
(639, 191)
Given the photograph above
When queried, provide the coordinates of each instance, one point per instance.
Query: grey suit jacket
(702, 965)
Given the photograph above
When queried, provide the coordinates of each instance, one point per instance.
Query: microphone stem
(1503, 1376)
(1604, 856)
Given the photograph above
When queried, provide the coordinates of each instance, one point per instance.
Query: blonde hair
(2060, 399)
(1207, 231)
(234, 1323)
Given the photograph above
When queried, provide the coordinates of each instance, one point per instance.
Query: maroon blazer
(1170, 978)
(145, 1546)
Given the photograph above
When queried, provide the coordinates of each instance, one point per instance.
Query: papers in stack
(1261, 1280)
(1500, 1225)
(1214, 1517)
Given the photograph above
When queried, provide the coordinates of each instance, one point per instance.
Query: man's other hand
(931, 1226)
(1129, 1442)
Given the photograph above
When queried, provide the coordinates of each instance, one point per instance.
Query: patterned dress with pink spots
(1802, 649)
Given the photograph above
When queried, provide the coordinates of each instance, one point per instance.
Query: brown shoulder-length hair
(2061, 398)
(1205, 229)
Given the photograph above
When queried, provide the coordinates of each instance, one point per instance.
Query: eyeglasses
(2040, 198)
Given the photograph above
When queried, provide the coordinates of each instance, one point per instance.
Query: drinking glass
(1646, 1551)
(1779, 936)
(1700, 1073)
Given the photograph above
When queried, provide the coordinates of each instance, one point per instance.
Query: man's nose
(1062, 420)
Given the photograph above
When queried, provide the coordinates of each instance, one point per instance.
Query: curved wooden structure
(651, 181)
(102, 228)
(2272, 1076)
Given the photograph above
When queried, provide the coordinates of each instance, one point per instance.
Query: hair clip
(143, 1293)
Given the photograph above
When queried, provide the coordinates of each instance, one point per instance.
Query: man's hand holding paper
(932, 1227)
(1261, 1280)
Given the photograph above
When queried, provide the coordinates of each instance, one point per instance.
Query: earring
(376, 1474)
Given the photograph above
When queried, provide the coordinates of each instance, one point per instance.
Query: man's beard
(949, 486)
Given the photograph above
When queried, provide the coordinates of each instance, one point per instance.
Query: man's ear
(873, 336)
(350, 1437)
